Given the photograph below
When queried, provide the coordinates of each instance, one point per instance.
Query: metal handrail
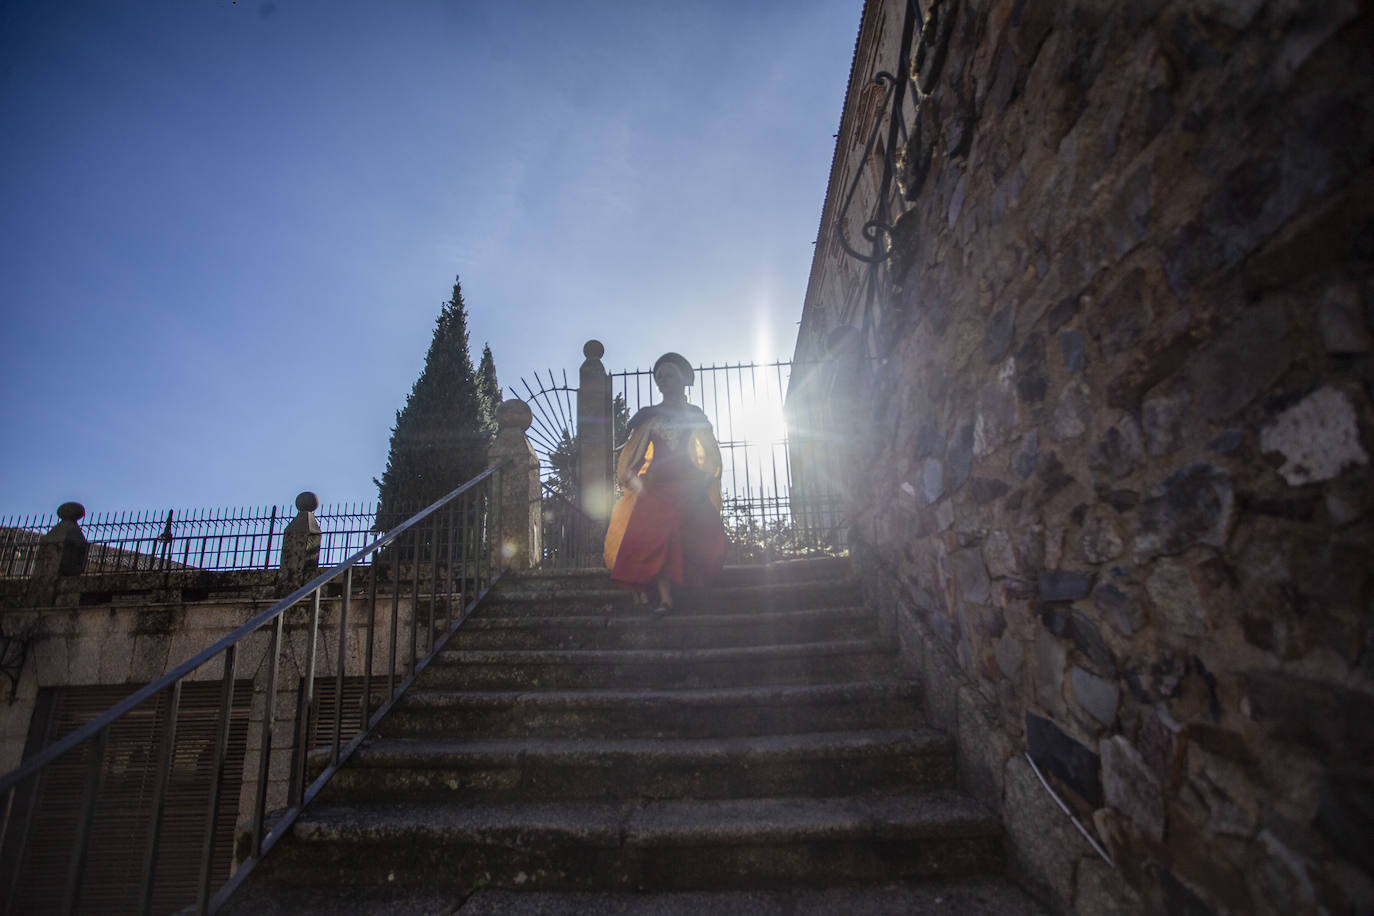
(469, 503)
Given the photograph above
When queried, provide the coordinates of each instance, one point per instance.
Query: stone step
(796, 663)
(646, 713)
(677, 631)
(782, 571)
(535, 599)
(660, 845)
(967, 897)
(819, 764)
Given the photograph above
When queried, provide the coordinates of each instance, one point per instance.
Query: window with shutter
(44, 821)
(326, 710)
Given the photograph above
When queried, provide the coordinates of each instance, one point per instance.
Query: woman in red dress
(666, 529)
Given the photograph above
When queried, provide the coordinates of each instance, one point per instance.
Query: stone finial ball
(514, 413)
(307, 502)
(593, 349)
(71, 512)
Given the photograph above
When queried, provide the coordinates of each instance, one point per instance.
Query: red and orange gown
(672, 524)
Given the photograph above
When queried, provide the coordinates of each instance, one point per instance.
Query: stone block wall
(131, 628)
(1115, 494)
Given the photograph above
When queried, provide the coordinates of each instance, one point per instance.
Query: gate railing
(442, 556)
(553, 430)
(767, 516)
(572, 539)
(767, 513)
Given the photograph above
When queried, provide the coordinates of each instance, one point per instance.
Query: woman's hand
(634, 485)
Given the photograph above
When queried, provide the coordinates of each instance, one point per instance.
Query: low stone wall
(145, 624)
(164, 587)
(1116, 468)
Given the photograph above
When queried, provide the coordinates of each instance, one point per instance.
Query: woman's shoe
(663, 610)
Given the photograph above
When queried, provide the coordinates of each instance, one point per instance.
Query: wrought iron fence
(208, 539)
(571, 539)
(441, 557)
(19, 536)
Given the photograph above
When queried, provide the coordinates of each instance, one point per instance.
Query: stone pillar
(594, 432)
(517, 506)
(61, 552)
(300, 544)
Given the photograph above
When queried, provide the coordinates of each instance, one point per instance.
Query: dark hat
(684, 368)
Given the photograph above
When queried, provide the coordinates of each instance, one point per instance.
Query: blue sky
(226, 228)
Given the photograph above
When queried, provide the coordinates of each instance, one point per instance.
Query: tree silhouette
(440, 438)
(563, 467)
(488, 391)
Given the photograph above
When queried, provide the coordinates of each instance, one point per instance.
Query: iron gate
(768, 514)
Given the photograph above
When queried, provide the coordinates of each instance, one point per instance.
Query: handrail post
(61, 552)
(300, 543)
(164, 774)
(95, 777)
(517, 501)
(594, 432)
(220, 761)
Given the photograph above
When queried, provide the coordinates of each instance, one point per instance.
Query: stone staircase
(757, 751)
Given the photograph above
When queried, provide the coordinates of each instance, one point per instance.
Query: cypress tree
(439, 440)
(620, 415)
(488, 391)
(563, 467)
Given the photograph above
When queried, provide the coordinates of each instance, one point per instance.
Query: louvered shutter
(119, 833)
(322, 723)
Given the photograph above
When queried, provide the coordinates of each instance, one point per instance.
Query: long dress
(672, 524)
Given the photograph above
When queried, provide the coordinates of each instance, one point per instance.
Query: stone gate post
(300, 543)
(594, 432)
(61, 552)
(518, 506)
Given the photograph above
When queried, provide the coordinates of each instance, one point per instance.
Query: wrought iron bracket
(871, 231)
(925, 40)
(881, 227)
(14, 651)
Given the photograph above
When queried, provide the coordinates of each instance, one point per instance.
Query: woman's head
(672, 373)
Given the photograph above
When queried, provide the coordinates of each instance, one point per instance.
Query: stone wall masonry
(1119, 506)
(1047, 853)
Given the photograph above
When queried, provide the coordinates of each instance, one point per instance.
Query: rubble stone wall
(1114, 490)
